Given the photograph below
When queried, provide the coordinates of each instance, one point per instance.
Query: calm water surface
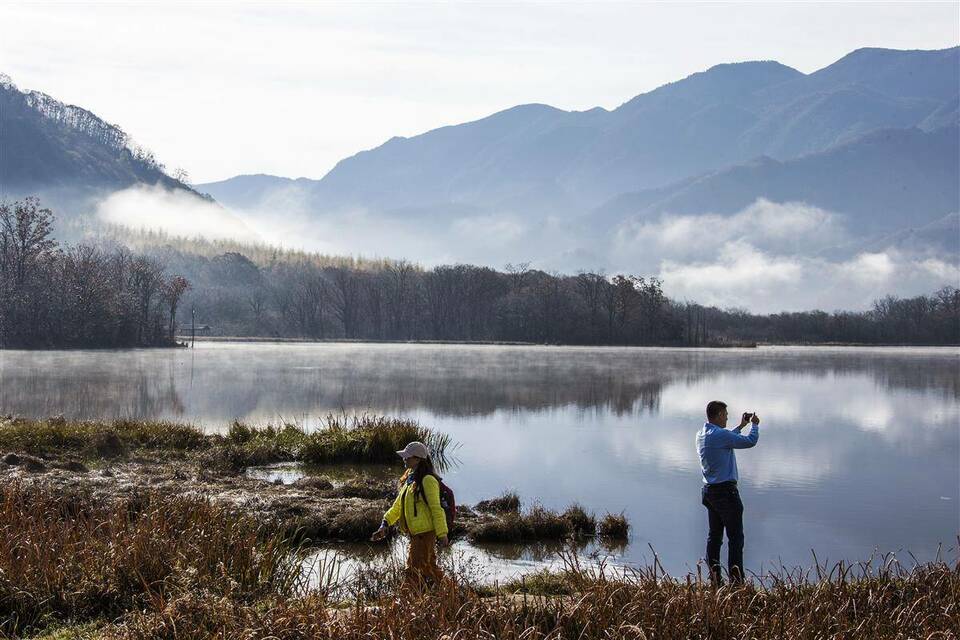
(859, 448)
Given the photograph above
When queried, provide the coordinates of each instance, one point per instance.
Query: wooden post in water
(193, 326)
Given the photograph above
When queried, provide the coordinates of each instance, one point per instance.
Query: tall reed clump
(369, 438)
(888, 603)
(72, 557)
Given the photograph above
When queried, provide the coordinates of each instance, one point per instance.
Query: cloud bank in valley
(176, 212)
(773, 257)
(768, 257)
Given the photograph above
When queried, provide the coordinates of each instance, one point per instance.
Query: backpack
(448, 502)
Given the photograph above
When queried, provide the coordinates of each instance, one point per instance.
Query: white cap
(417, 449)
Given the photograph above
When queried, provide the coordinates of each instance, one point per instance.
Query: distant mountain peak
(721, 82)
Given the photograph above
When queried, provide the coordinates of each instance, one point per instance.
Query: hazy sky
(221, 89)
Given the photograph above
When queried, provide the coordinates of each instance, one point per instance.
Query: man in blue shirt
(715, 444)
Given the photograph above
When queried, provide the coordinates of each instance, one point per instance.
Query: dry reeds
(889, 603)
(74, 557)
(506, 502)
(540, 524)
(614, 526)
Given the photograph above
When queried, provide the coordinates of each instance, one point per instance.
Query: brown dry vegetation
(888, 604)
(71, 557)
(155, 566)
(539, 523)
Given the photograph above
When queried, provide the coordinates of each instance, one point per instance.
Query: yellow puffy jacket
(416, 517)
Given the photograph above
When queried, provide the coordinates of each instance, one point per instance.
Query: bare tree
(173, 289)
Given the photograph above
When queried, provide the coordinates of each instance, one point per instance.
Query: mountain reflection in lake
(859, 448)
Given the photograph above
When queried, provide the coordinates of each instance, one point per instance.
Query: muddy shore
(312, 509)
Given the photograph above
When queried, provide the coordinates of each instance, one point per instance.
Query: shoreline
(183, 342)
(749, 345)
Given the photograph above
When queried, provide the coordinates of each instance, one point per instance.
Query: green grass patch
(95, 439)
(340, 438)
(538, 583)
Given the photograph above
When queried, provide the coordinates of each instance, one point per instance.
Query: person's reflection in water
(720, 496)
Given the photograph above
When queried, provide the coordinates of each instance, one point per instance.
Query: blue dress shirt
(715, 446)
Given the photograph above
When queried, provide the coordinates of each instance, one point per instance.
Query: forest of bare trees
(272, 293)
(105, 295)
(82, 296)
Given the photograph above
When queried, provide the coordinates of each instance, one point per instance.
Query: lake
(859, 449)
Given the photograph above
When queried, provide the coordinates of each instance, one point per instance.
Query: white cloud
(771, 257)
(868, 268)
(742, 273)
(948, 273)
(768, 283)
(792, 227)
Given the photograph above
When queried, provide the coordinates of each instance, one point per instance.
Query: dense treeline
(53, 296)
(105, 295)
(253, 291)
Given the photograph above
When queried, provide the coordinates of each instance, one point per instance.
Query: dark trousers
(725, 511)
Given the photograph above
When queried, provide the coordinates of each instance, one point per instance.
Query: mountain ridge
(564, 162)
(68, 154)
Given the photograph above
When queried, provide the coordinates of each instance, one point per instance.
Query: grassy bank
(157, 567)
(340, 438)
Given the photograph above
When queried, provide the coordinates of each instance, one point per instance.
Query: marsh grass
(540, 523)
(581, 523)
(151, 566)
(369, 438)
(97, 438)
(340, 438)
(614, 526)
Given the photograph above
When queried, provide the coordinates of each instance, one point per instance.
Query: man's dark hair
(714, 407)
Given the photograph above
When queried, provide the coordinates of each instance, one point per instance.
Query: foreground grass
(154, 567)
(364, 438)
(888, 604)
(74, 558)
